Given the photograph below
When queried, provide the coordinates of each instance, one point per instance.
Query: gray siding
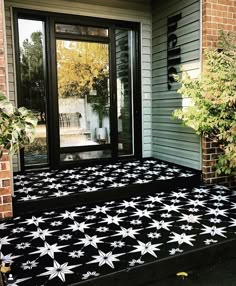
(171, 141)
(113, 9)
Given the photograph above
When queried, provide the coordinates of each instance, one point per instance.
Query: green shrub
(17, 126)
(213, 96)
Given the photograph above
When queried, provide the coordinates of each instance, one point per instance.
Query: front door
(83, 88)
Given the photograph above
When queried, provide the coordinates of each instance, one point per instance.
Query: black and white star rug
(66, 246)
(59, 183)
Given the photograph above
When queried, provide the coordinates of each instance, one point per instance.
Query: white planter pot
(101, 133)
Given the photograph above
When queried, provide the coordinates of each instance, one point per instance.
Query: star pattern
(49, 184)
(66, 246)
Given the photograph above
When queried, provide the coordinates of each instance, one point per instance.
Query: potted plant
(99, 103)
(17, 126)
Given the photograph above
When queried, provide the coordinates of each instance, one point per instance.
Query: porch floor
(60, 188)
(94, 244)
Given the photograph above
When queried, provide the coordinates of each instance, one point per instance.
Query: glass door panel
(124, 76)
(83, 93)
(33, 86)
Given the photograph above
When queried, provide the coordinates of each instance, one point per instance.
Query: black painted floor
(82, 243)
(33, 186)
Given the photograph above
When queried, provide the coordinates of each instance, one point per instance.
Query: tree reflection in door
(32, 86)
(83, 93)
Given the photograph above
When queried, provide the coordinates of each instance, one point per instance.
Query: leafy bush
(213, 96)
(17, 126)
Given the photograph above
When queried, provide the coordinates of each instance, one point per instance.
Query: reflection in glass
(83, 93)
(81, 30)
(124, 91)
(32, 53)
(99, 154)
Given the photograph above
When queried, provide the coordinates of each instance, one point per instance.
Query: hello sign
(173, 49)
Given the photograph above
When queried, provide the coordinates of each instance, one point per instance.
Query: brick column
(5, 187)
(5, 166)
(216, 15)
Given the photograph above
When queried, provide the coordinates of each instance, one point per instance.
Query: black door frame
(51, 81)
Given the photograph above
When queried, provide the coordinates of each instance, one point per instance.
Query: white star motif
(219, 198)
(35, 220)
(130, 204)
(133, 262)
(8, 258)
(124, 232)
(170, 208)
(89, 274)
(29, 264)
(68, 214)
(182, 238)
(118, 244)
(4, 226)
(60, 194)
(16, 283)
(196, 203)
(18, 230)
(102, 229)
(173, 251)
(102, 209)
(5, 240)
(143, 213)
(48, 249)
(233, 222)
(79, 226)
(117, 185)
(146, 248)
(217, 212)
(190, 218)
(154, 235)
(233, 207)
(90, 240)
(41, 233)
(105, 258)
(76, 254)
(179, 195)
(161, 224)
(29, 197)
(107, 179)
(23, 245)
(155, 199)
(139, 181)
(112, 219)
(213, 230)
(56, 223)
(210, 241)
(59, 270)
(65, 237)
(90, 189)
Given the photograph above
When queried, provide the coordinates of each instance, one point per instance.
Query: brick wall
(5, 188)
(216, 15)
(5, 166)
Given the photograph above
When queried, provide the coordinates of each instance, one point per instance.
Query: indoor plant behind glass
(17, 126)
(99, 101)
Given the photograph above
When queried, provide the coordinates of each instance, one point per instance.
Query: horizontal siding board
(177, 160)
(170, 136)
(186, 145)
(183, 153)
(191, 27)
(187, 137)
(171, 127)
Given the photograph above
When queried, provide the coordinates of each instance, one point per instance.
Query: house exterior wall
(124, 11)
(5, 164)
(216, 15)
(171, 141)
